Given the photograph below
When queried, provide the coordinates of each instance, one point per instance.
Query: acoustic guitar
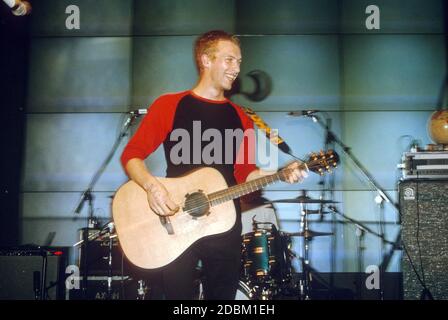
(150, 241)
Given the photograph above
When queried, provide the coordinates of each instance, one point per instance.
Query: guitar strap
(272, 135)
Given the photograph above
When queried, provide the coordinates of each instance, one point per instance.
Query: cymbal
(309, 211)
(308, 234)
(302, 199)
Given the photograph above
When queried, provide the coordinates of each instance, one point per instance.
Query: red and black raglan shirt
(186, 111)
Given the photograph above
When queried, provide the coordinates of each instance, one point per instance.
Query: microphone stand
(87, 193)
(360, 255)
(379, 201)
(385, 197)
(333, 138)
(87, 196)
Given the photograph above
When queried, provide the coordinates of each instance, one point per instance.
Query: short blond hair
(206, 44)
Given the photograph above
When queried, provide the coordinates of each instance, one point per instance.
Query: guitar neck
(242, 189)
(317, 162)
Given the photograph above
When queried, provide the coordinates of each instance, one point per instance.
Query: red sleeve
(153, 129)
(246, 160)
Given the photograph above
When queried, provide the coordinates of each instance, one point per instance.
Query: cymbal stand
(304, 285)
(327, 183)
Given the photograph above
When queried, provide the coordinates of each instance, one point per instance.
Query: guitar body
(146, 241)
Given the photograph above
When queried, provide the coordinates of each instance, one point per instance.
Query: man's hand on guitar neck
(294, 172)
(159, 199)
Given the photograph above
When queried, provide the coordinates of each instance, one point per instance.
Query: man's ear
(205, 60)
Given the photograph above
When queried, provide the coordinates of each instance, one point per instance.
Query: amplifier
(32, 273)
(424, 164)
(424, 214)
(97, 255)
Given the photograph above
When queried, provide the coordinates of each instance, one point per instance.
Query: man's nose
(236, 67)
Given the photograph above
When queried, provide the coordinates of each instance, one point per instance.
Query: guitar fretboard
(242, 189)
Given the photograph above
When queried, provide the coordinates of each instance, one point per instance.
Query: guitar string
(197, 204)
(200, 203)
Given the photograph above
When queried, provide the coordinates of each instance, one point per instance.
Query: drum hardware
(360, 231)
(142, 290)
(305, 282)
(303, 199)
(266, 265)
(333, 138)
(256, 225)
(266, 255)
(249, 291)
(320, 212)
(309, 234)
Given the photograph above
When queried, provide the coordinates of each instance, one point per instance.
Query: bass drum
(253, 292)
(243, 292)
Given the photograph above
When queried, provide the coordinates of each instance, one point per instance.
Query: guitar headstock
(323, 161)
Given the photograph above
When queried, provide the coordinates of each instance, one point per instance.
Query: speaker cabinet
(95, 256)
(424, 214)
(22, 274)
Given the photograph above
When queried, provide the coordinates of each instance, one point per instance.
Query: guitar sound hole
(196, 204)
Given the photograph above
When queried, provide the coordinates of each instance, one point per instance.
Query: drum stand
(304, 283)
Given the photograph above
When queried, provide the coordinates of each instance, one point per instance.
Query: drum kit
(266, 256)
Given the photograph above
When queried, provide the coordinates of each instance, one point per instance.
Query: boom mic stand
(381, 193)
(332, 137)
(87, 195)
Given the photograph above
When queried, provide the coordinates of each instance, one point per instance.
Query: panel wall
(378, 87)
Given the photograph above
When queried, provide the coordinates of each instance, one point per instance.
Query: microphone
(19, 7)
(138, 112)
(303, 113)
